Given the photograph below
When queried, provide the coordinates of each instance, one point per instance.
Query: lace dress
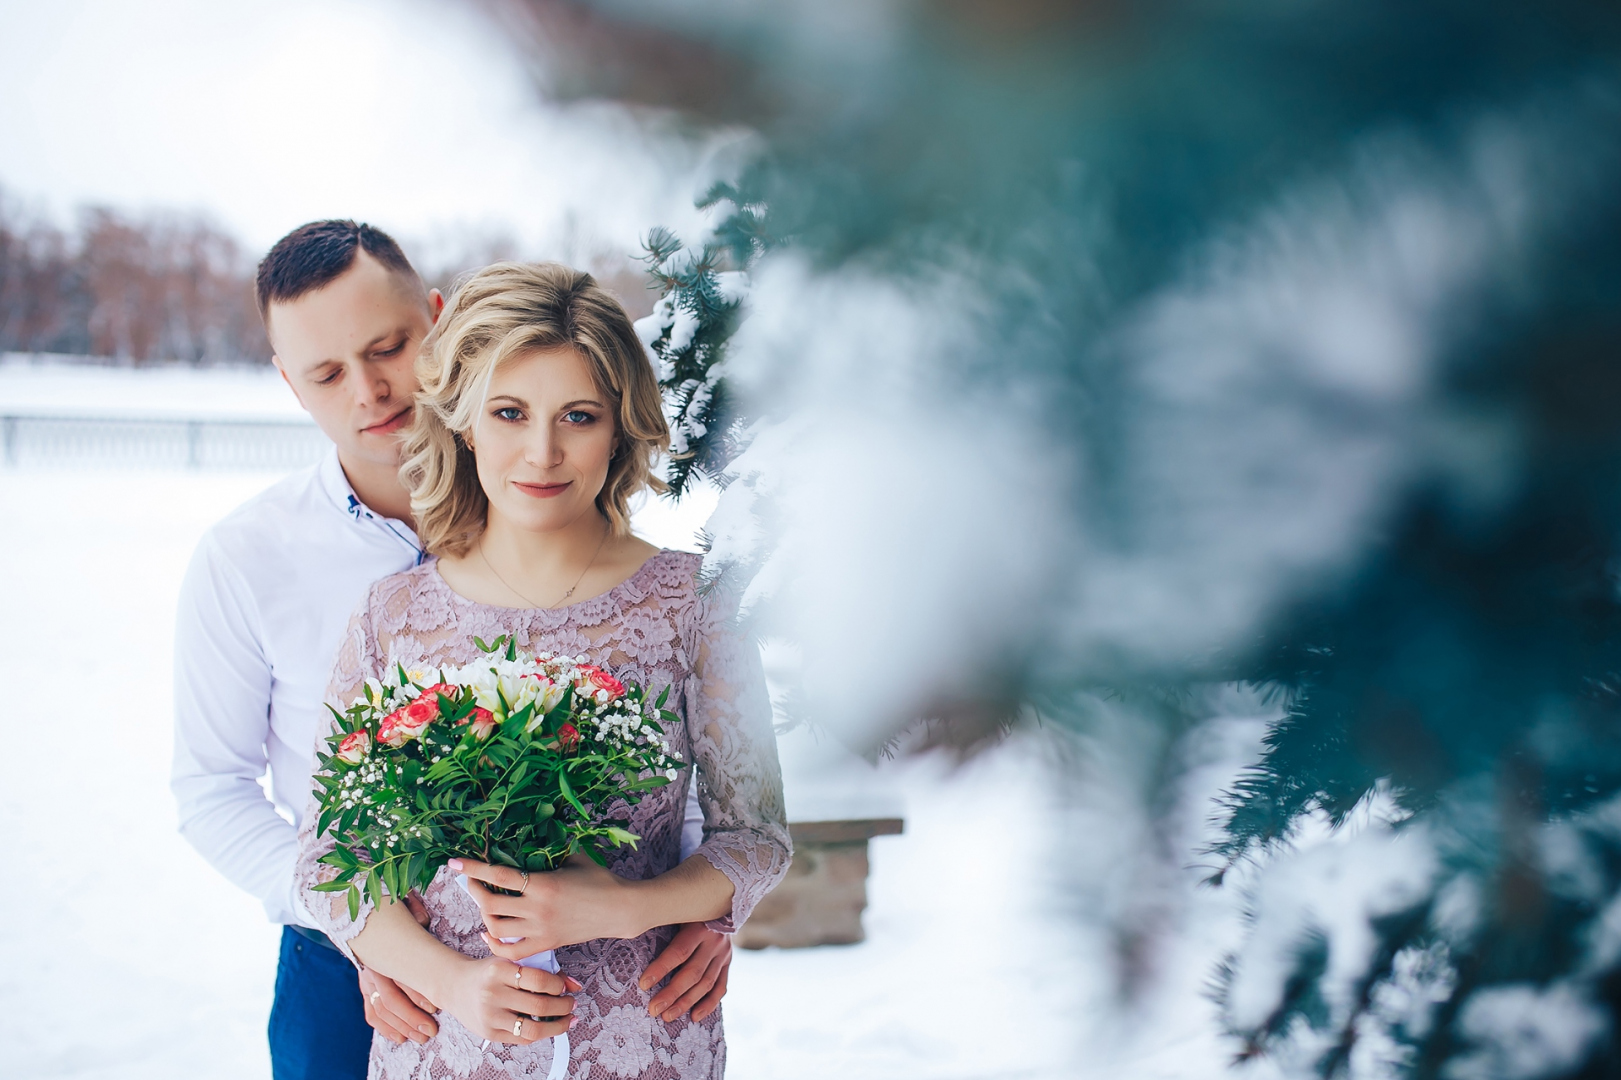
(655, 629)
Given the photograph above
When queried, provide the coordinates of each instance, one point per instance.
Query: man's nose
(372, 386)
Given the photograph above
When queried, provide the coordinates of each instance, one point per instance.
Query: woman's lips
(392, 424)
(543, 491)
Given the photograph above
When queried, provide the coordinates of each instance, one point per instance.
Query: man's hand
(397, 1012)
(699, 959)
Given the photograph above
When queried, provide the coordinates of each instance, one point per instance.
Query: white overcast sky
(411, 114)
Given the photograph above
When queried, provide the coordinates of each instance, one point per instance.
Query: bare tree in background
(135, 289)
(168, 286)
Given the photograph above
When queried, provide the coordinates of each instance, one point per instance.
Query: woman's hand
(502, 1002)
(493, 998)
(576, 902)
(580, 901)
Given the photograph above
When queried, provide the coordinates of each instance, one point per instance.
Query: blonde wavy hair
(497, 313)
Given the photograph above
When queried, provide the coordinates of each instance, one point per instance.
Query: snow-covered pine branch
(704, 290)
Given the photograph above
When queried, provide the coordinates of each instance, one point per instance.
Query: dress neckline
(602, 599)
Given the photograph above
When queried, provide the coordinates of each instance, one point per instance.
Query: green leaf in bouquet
(567, 791)
(503, 856)
(445, 769)
(519, 719)
(664, 695)
(621, 837)
(544, 810)
(354, 903)
(334, 859)
(591, 850)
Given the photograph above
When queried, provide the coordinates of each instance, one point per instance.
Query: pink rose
(444, 690)
(592, 679)
(391, 732)
(482, 719)
(415, 717)
(354, 747)
(568, 738)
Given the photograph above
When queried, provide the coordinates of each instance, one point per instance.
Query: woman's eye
(395, 351)
(330, 379)
(509, 414)
(578, 416)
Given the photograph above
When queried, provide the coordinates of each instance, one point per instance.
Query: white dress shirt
(264, 604)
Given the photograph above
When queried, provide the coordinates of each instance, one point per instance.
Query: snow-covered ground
(48, 386)
(124, 956)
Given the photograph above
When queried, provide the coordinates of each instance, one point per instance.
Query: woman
(539, 417)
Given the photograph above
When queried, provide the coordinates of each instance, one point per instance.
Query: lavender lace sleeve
(735, 751)
(357, 661)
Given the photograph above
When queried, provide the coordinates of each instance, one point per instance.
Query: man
(264, 603)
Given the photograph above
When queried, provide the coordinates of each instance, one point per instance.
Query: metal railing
(70, 441)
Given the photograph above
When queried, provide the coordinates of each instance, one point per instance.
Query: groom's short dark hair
(312, 255)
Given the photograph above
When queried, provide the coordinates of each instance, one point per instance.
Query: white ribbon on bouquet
(544, 961)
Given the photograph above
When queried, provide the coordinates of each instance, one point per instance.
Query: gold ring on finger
(525, 887)
(517, 1028)
(517, 977)
(375, 994)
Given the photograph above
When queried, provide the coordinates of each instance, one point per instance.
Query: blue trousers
(318, 1028)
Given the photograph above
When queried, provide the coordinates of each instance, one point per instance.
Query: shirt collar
(335, 485)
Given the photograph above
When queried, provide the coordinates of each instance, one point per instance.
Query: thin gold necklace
(511, 588)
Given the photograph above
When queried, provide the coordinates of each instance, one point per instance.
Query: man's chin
(384, 451)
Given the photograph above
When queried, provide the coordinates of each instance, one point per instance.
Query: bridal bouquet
(511, 759)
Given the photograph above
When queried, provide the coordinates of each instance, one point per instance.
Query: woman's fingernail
(425, 1029)
(572, 1021)
(574, 985)
(455, 864)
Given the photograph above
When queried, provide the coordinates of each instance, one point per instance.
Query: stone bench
(821, 899)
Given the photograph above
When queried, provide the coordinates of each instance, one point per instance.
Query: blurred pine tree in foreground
(1312, 314)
